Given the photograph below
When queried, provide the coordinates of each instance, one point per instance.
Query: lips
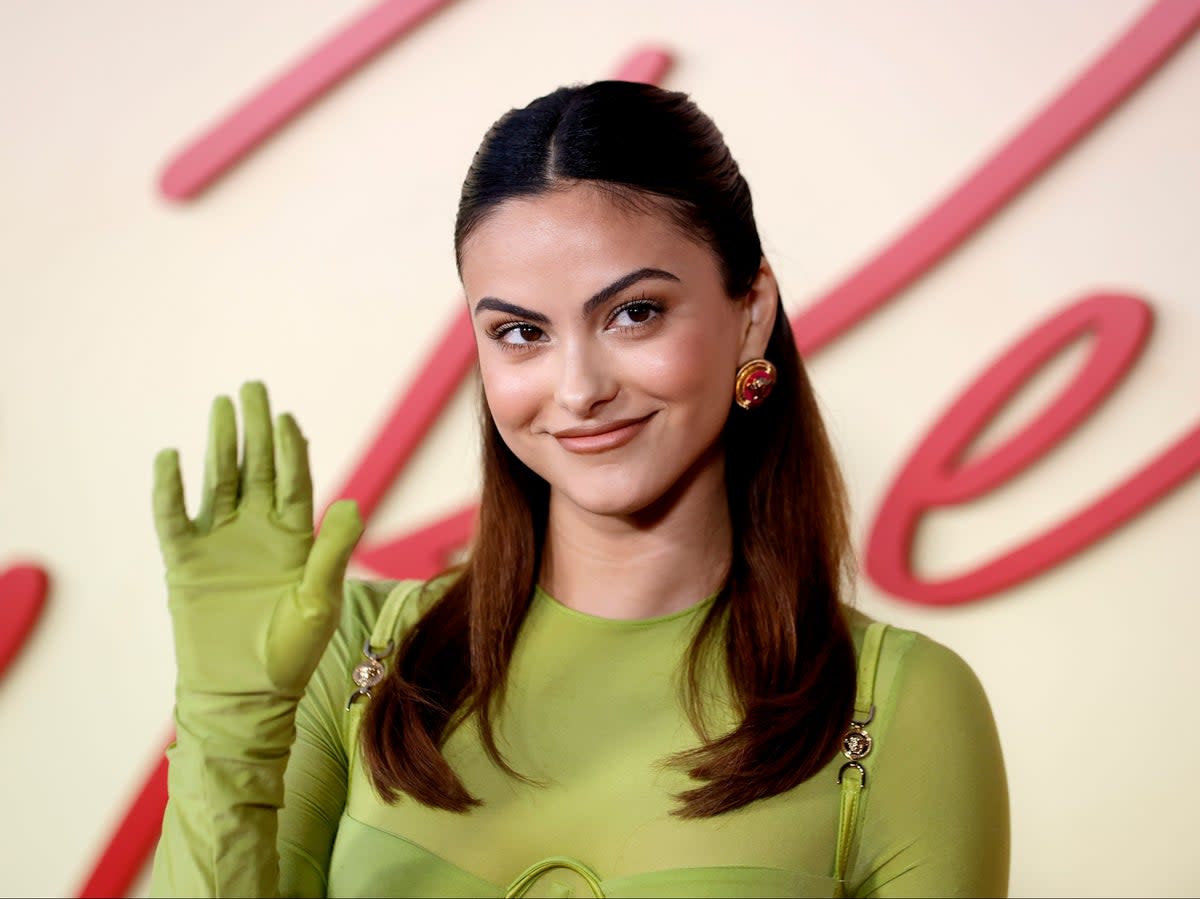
(602, 437)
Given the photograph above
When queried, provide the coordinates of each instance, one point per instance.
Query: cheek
(512, 393)
(691, 365)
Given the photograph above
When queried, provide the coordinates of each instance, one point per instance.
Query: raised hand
(254, 598)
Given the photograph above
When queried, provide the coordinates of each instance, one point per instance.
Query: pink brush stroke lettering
(263, 113)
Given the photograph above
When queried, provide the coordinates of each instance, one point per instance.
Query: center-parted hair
(779, 619)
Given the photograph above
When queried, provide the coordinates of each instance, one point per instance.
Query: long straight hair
(779, 618)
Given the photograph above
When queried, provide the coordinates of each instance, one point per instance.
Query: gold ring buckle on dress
(369, 673)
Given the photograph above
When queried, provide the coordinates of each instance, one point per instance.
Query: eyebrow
(599, 298)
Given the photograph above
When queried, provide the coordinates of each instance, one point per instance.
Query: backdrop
(984, 220)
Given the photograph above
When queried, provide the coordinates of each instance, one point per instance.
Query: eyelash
(639, 303)
(498, 332)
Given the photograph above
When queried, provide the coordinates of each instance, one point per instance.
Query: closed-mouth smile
(600, 437)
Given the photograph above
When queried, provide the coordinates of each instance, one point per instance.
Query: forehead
(575, 239)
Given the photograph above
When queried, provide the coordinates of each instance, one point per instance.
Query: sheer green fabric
(591, 712)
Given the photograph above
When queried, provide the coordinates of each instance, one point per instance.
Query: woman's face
(607, 345)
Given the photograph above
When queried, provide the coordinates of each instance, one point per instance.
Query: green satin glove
(254, 599)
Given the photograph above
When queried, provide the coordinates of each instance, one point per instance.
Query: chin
(621, 500)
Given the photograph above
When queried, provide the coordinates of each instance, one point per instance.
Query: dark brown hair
(779, 617)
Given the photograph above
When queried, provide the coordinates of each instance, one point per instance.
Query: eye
(516, 334)
(635, 314)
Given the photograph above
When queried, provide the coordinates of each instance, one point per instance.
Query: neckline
(687, 875)
(541, 596)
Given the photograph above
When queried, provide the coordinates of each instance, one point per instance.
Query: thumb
(326, 568)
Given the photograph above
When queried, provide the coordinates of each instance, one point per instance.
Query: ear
(761, 305)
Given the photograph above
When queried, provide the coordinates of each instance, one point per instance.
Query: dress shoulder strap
(856, 745)
(388, 622)
(382, 641)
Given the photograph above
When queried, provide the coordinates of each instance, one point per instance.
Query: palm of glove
(254, 597)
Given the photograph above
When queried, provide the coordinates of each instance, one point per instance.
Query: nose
(586, 381)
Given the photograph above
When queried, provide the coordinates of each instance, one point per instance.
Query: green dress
(592, 709)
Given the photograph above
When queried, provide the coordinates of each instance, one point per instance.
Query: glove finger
(258, 451)
(293, 481)
(299, 632)
(331, 551)
(220, 467)
(170, 514)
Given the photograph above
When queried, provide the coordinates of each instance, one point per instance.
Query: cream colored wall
(324, 266)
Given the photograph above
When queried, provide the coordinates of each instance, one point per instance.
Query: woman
(645, 679)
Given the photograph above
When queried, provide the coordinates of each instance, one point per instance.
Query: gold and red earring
(754, 382)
